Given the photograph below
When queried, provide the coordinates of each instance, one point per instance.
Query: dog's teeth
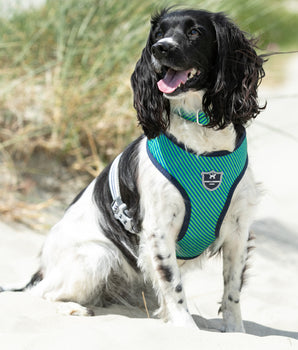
(192, 73)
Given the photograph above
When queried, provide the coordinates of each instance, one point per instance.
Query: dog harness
(206, 182)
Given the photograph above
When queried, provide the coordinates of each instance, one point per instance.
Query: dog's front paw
(232, 322)
(232, 328)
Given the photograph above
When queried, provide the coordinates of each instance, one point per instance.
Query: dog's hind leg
(80, 275)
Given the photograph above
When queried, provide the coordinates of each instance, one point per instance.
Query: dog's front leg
(158, 261)
(163, 212)
(235, 253)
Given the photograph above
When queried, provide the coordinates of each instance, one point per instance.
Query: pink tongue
(172, 80)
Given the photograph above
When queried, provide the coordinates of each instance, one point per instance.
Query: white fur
(77, 258)
(168, 40)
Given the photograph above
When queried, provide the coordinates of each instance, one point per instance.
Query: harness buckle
(120, 211)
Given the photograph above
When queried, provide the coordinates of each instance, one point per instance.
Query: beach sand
(269, 300)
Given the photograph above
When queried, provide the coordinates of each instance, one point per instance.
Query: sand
(269, 300)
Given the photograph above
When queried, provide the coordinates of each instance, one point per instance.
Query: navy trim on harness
(164, 151)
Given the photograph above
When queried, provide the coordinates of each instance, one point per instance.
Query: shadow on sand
(215, 325)
(211, 325)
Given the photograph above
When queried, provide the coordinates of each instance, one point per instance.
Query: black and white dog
(194, 62)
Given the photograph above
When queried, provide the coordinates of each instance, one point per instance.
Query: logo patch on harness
(211, 180)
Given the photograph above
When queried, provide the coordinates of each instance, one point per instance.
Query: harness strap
(119, 208)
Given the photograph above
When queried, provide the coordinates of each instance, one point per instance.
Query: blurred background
(65, 97)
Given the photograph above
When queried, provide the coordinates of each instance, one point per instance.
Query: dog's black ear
(238, 73)
(152, 108)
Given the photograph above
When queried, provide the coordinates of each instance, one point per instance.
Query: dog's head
(183, 51)
(191, 51)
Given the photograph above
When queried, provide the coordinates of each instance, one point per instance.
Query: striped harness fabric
(206, 182)
(199, 117)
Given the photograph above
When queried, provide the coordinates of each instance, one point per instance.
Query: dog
(184, 189)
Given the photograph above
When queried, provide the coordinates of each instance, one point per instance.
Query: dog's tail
(35, 279)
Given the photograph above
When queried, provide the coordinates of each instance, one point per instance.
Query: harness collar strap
(199, 117)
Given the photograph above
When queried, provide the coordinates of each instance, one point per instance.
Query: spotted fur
(88, 257)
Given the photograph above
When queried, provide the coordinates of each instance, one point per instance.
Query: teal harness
(206, 182)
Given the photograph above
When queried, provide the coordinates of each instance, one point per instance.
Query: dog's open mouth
(177, 79)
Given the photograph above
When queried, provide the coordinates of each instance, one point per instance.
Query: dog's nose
(160, 50)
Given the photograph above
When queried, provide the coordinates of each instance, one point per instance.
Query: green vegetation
(65, 70)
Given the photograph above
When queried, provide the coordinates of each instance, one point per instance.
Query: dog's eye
(159, 35)
(193, 33)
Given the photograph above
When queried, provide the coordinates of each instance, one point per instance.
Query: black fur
(165, 272)
(232, 96)
(231, 70)
(128, 171)
(148, 100)
(250, 247)
(178, 288)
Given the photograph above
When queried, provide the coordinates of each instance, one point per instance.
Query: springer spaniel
(186, 189)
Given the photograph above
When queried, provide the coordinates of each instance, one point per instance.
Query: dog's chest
(206, 183)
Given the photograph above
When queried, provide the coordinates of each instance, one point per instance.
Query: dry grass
(65, 92)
